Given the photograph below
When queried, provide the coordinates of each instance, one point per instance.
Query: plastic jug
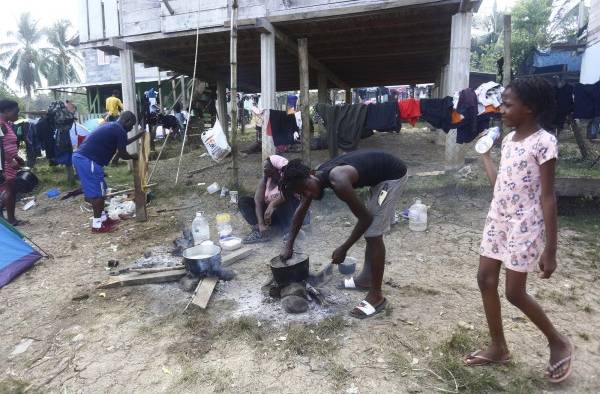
(486, 142)
(417, 216)
(200, 229)
(224, 225)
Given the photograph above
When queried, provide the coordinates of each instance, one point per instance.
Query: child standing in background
(521, 226)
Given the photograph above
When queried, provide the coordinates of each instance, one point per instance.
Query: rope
(187, 125)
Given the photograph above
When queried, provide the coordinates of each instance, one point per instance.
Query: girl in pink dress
(9, 112)
(521, 227)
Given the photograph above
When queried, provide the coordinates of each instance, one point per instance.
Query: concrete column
(222, 106)
(506, 70)
(267, 86)
(458, 78)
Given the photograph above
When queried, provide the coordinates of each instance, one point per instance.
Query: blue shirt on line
(101, 145)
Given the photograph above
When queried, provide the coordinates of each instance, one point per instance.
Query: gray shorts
(384, 209)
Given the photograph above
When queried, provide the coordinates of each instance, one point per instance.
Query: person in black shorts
(385, 175)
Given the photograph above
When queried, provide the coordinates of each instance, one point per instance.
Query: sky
(45, 11)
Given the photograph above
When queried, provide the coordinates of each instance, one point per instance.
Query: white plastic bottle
(200, 229)
(417, 216)
(486, 142)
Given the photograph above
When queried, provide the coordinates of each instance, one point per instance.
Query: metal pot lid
(297, 258)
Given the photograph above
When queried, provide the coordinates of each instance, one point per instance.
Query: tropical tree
(64, 59)
(23, 56)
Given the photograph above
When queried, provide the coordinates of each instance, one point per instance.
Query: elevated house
(341, 44)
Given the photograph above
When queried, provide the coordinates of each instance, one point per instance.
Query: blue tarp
(16, 255)
(555, 57)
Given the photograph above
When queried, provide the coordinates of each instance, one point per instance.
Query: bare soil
(61, 334)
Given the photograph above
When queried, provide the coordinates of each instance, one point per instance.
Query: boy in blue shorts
(95, 153)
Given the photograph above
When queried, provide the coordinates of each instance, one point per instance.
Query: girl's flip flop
(552, 369)
(482, 360)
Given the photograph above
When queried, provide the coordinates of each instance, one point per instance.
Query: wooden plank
(236, 256)
(304, 98)
(204, 291)
(506, 71)
(84, 32)
(95, 19)
(187, 6)
(111, 18)
(189, 21)
(142, 279)
(577, 187)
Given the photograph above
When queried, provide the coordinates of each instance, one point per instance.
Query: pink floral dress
(514, 228)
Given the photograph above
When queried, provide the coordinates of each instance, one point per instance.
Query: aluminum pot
(202, 260)
(293, 270)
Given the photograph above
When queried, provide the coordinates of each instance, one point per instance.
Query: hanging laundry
(292, 100)
(586, 101)
(593, 129)
(383, 117)
(283, 126)
(346, 122)
(564, 104)
(489, 93)
(437, 112)
(466, 131)
(410, 110)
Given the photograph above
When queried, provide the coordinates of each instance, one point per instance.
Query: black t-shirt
(373, 167)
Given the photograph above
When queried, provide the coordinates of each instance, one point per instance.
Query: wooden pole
(183, 92)
(304, 98)
(349, 96)
(160, 98)
(267, 86)
(506, 71)
(222, 106)
(174, 90)
(129, 102)
(234, 98)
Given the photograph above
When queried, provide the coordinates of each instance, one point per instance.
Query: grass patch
(314, 339)
(569, 166)
(338, 374)
(244, 327)
(14, 386)
(220, 379)
(583, 336)
(449, 366)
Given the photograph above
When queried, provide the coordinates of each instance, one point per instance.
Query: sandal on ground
(365, 309)
(475, 359)
(255, 237)
(349, 284)
(18, 222)
(556, 367)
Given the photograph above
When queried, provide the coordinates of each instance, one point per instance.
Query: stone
(189, 282)
(226, 274)
(297, 289)
(294, 304)
(147, 254)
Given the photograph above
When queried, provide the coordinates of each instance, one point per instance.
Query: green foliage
(23, 56)
(64, 60)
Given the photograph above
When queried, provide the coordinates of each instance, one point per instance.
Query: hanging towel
(489, 93)
(346, 121)
(466, 131)
(564, 104)
(437, 112)
(382, 117)
(587, 101)
(283, 127)
(410, 110)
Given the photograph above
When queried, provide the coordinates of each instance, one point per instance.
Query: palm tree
(64, 59)
(23, 55)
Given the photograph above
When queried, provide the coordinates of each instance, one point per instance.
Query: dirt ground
(61, 334)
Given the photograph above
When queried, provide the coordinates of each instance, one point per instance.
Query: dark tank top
(373, 167)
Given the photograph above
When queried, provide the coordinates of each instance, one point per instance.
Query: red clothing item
(11, 150)
(410, 110)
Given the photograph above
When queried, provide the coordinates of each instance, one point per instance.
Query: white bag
(216, 143)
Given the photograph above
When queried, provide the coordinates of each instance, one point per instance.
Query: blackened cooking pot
(25, 181)
(293, 270)
(202, 260)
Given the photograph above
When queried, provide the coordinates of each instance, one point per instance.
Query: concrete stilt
(267, 85)
(458, 78)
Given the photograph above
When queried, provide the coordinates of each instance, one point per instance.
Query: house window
(103, 58)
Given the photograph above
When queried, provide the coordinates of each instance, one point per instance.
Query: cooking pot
(25, 180)
(202, 260)
(292, 270)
